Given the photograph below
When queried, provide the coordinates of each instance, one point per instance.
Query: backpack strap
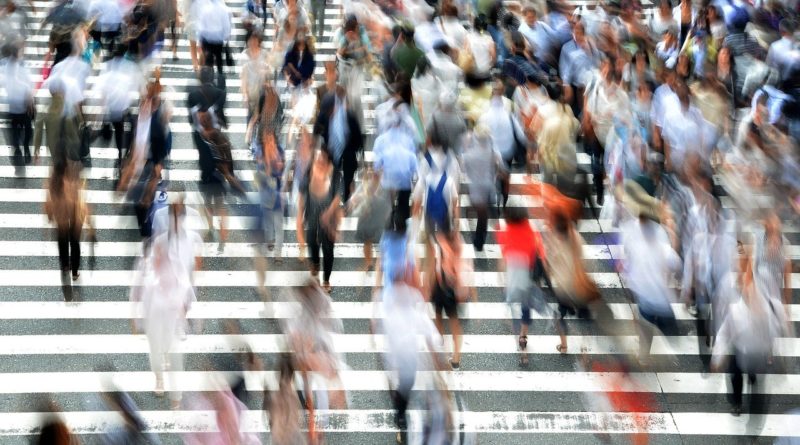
(442, 182)
(429, 158)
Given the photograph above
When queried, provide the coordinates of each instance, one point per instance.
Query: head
(206, 75)
(529, 12)
(254, 40)
(786, 27)
(515, 215)
(480, 23)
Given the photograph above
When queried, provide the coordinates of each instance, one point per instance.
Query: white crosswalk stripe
(55, 348)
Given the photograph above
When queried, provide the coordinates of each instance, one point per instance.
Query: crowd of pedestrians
(676, 127)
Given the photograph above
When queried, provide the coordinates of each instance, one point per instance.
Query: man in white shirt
(539, 35)
(213, 30)
(783, 53)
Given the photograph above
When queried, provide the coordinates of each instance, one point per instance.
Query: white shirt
(73, 71)
(17, 81)
(118, 85)
(684, 131)
(501, 125)
(213, 21)
(649, 260)
(108, 14)
(783, 55)
(481, 46)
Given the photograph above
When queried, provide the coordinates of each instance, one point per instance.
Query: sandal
(326, 286)
(455, 365)
(523, 342)
(523, 361)
(561, 348)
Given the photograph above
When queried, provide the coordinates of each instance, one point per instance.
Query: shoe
(736, 410)
(455, 365)
(692, 310)
(600, 200)
(326, 285)
(477, 247)
(75, 276)
(28, 158)
(562, 349)
(400, 421)
(523, 342)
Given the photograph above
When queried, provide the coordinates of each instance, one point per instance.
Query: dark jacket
(305, 65)
(355, 139)
(204, 97)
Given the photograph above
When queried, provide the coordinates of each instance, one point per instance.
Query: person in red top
(522, 250)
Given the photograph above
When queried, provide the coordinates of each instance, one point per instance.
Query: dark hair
(517, 40)
(515, 215)
(480, 23)
(396, 31)
(206, 75)
(351, 23)
(423, 66)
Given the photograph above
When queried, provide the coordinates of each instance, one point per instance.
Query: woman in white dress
(166, 293)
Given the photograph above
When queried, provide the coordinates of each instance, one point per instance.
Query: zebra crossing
(53, 349)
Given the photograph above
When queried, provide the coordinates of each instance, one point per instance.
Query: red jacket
(520, 239)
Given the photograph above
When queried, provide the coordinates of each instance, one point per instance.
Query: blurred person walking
(650, 260)
(746, 337)
(298, 66)
(446, 287)
(213, 29)
(318, 215)
(523, 263)
(354, 55)
(188, 19)
(166, 293)
(395, 162)
(310, 336)
(283, 407)
(255, 72)
(59, 127)
(120, 80)
(20, 101)
(338, 126)
(66, 207)
(373, 209)
(412, 340)
(482, 165)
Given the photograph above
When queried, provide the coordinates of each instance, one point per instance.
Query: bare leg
(367, 256)
(193, 52)
(455, 330)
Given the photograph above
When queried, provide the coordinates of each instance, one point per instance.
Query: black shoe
(400, 421)
(736, 410)
(600, 200)
(478, 248)
(28, 158)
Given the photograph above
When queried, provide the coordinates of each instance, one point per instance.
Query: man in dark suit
(341, 136)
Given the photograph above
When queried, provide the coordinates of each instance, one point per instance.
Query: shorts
(443, 304)
(213, 192)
